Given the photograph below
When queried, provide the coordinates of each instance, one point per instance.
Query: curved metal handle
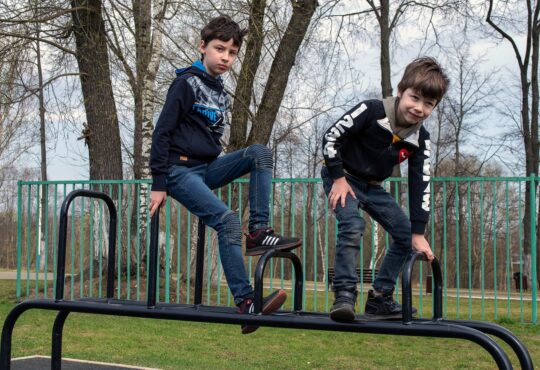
(62, 236)
(259, 272)
(407, 291)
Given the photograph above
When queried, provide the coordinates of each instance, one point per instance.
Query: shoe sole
(269, 307)
(261, 250)
(376, 317)
(342, 315)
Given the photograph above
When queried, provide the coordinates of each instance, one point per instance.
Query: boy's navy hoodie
(191, 123)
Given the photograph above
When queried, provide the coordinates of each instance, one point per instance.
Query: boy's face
(413, 107)
(218, 56)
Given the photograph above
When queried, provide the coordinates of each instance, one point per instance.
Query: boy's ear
(398, 93)
(202, 47)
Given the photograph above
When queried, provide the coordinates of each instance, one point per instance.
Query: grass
(175, 344)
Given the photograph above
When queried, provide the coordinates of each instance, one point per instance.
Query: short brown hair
(223, 28)
(425, 76)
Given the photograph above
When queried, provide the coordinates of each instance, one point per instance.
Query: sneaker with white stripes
(263, 240)
(271, 304)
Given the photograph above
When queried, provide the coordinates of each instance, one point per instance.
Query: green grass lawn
(183, 345)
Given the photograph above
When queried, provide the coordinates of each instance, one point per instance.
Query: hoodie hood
(390, 106)
(198, 69)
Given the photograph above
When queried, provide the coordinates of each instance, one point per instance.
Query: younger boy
(360, 151)
(185, 163)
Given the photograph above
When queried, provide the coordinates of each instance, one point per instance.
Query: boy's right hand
(156, 198)
(339, 190)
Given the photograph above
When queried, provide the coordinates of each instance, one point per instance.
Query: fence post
(19, 237)
(534, 283)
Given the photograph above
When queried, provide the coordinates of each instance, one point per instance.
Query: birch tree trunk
(43, 166)
(149, 19)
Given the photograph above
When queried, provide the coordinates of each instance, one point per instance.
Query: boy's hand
(339, 190)
(156, 198)
(420, 244)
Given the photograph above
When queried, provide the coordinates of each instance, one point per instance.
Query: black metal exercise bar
(486, 327)
(296, 319)
(62, 238)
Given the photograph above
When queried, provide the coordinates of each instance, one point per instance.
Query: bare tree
(102, 133)
(464, 111)
(263, 120)
(526, 22)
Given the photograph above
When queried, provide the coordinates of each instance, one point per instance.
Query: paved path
(44, 363)
(321, 287)
(12, 275)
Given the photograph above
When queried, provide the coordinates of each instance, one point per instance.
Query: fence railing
(476, 229)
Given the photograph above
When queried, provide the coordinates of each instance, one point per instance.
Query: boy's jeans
(374, 200)
(192, 187)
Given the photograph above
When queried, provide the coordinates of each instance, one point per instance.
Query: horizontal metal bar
(227, 315)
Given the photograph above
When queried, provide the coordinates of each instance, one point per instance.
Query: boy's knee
(351, 231)
(402, 236)
(262, 156)
(231, 227)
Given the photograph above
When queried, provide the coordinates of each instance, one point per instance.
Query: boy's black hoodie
(363, 145)
(191, 123)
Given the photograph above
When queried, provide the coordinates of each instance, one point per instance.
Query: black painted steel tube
(517, 346)
(506, 335)
(56, 351)
(62, 239)
(151, 279)
(293, 320)
(199, 262)
(407, 292)
(259, 274)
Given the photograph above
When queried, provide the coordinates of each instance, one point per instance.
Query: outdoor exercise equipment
(475, 331)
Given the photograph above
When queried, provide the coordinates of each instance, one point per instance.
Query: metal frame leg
(56, 351)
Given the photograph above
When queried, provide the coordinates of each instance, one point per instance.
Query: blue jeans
(192, 186)
(380, 205)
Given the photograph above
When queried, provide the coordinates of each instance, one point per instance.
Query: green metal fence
(476, 230)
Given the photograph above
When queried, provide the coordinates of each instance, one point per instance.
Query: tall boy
(185, 163)
(360, 151)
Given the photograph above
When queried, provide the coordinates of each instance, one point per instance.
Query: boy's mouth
(415, 116)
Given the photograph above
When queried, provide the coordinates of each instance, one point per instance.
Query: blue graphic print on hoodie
(191, 123)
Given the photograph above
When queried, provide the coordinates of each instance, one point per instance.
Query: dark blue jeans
(192, 186)
(380, 205)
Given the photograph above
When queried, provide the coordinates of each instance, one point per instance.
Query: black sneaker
(271, 304)
(263, 240)
(383, 307)
(343, 308)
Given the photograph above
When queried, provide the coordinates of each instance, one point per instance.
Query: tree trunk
(384, 23)
(148, 41)
(263, 124)
(529, 125)
(244, 88)
(43, 166)
(534, 116)
(102, 134)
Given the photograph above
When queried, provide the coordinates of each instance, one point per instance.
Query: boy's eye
(430, 103)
